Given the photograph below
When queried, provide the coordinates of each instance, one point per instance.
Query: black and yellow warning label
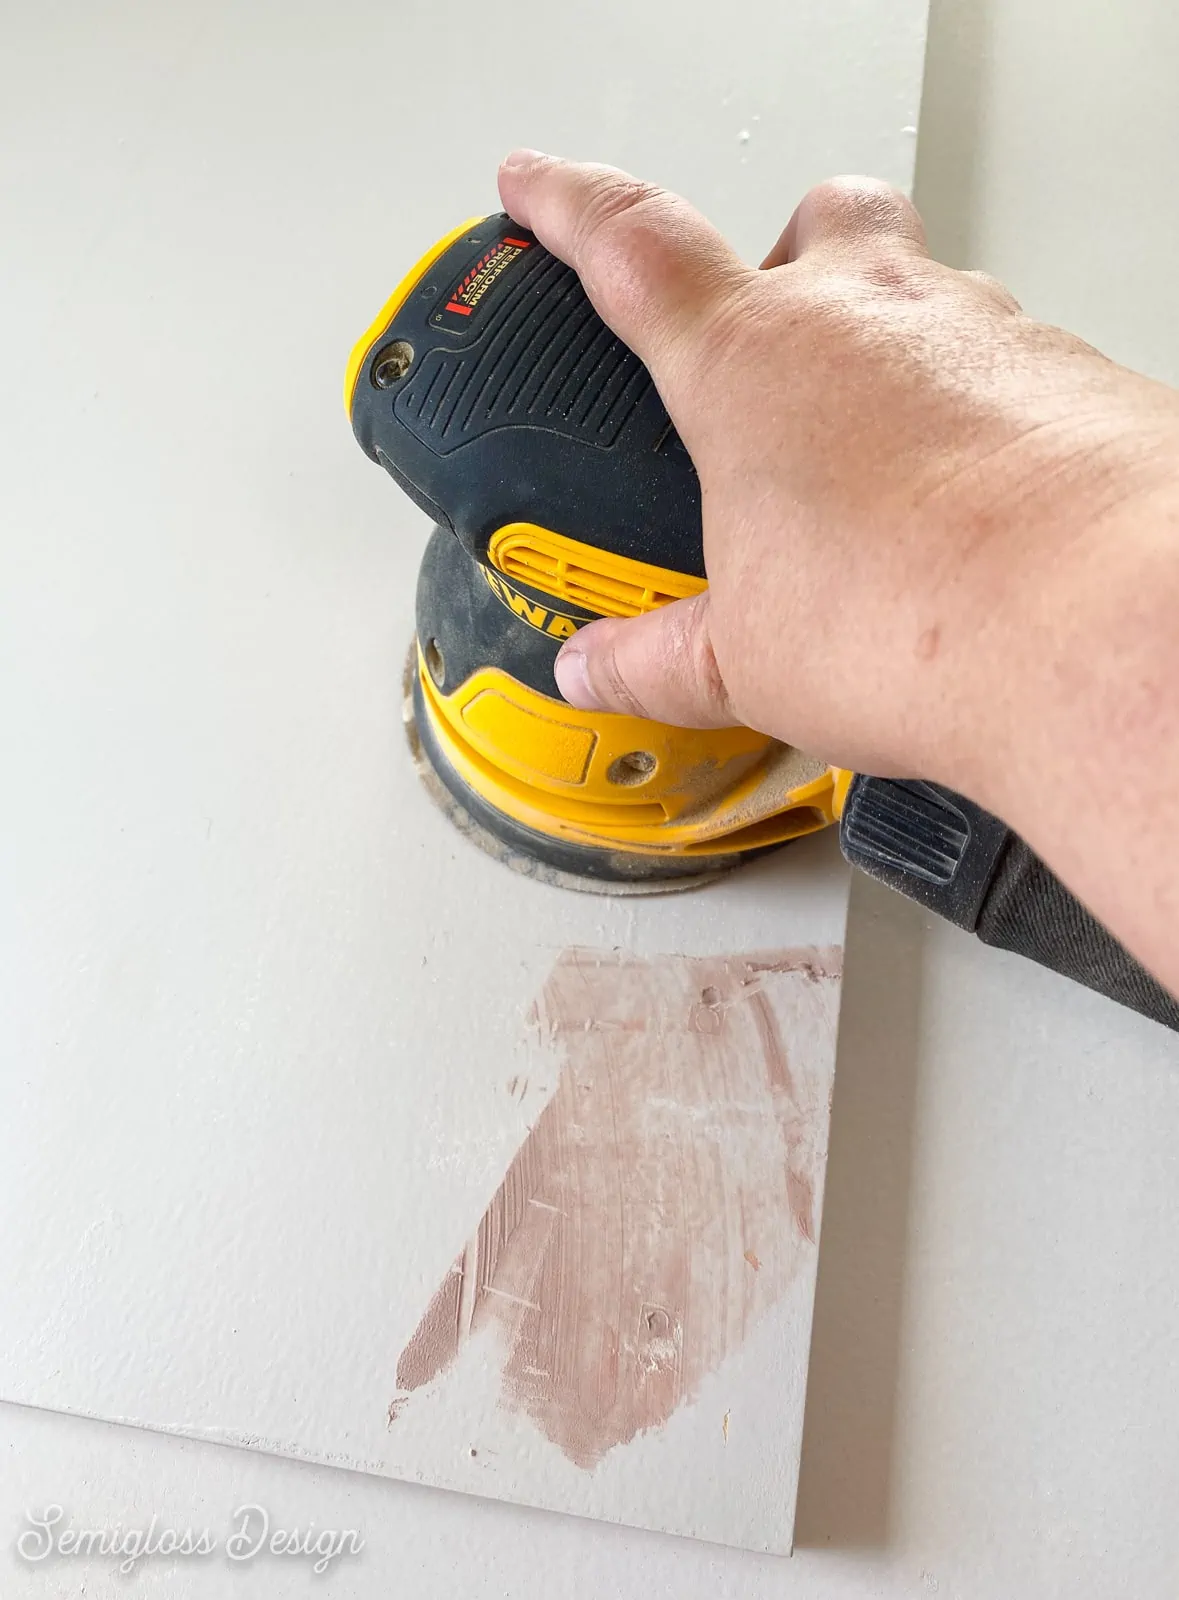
(470, 292)
(557, 624)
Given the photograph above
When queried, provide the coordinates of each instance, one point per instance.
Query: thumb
(661, 666)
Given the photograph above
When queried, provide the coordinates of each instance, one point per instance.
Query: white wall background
(993, 1406)
(1049, 155)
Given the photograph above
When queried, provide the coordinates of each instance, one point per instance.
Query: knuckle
(622, 242)
(614, 208)
(615, 682)
(706, 669)
(871, 201)
(857, 189)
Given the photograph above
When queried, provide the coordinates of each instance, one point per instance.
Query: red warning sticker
(470, 292)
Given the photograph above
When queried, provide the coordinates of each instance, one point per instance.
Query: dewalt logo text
(554, 623)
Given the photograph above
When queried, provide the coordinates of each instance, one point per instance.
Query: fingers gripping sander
(492, 392)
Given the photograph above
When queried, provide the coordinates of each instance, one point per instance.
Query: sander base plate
(558, 862)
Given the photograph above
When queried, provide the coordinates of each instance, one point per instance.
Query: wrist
(1076, 679)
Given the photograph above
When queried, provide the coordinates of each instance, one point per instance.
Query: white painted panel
(993, 1399)
(259, 1003)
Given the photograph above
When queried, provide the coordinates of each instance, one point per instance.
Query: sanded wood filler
(666, 1199)
(634, 1299)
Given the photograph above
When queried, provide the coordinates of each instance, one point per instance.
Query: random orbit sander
(491, 391)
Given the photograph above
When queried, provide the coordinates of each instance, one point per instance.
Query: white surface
(992, 1403)
(259, 1002)
(992, 1409)
(1049, 154)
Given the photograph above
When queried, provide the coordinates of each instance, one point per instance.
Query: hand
(895, 463)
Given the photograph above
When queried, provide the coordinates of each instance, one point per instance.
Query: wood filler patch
(665, 1198)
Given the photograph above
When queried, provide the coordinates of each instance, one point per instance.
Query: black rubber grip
(961, 862)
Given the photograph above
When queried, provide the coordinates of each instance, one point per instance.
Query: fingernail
(572, 677)
(523, 158)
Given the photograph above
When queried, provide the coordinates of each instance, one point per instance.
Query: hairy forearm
(1086, 743)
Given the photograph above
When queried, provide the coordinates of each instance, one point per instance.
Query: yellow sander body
(494, 395)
